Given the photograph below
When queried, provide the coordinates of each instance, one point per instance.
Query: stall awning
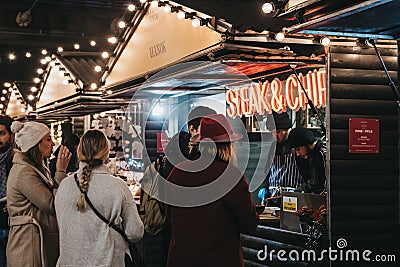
(79, 105)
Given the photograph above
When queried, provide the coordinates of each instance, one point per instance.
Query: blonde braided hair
(92, 150)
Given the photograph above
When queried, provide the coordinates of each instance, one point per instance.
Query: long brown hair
(223, 151)
(92, 150)
(35, 156)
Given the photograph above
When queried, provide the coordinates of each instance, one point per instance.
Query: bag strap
(110, 224)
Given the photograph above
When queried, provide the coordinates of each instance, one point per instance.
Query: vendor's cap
(28, 134)
(282, 121)
(300, 137)
(216, 127)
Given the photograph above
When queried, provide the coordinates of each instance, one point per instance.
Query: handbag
(136, 259)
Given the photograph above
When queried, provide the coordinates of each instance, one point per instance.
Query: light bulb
(77, 46)
(325, 41)
(267, 8)
(280, 36)
(167, 9)
(93, 43)
(121, 24)
(181, 15)
(97, 68)
(44, 52)
(196, 23)
(60, 49)
(28, 54)
(131, 7)
(105, 54)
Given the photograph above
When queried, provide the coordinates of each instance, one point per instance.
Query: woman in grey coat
(86, 240)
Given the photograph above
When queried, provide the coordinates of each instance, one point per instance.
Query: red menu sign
(162, 141)
(363, 136)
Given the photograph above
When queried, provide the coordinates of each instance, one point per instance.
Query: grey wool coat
(33, 238)
(85, 240)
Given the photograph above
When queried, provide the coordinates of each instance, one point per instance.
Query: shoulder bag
(136, 260)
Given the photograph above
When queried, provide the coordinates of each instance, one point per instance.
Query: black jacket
(312, 170)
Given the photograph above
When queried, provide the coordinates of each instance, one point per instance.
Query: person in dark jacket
(71, 142)
(217, 205)
(310, 159)
(193, 123)
(6, 156)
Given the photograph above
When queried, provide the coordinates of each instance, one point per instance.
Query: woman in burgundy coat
(210, 204)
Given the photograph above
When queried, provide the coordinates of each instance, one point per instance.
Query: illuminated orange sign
(265, 97)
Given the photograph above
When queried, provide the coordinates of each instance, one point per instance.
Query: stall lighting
(43, 61)
(77, 46)
(10, 89)
(28, 55)
(48, 59)
(4, 91)
(31, 97)
(181, 15)
(2, 98)
(7, 84)
(167, 9)
(274, 6)
(33, 89)
(36, 80)
(196, 22)
(131, 7)
(93, 43)
(40, 71)
(112, 40)
(158, 110)
(102, 114)
(105, 55)
(60, 49)
(97, 68)
(52, 64)
(143, 1)
(267, 7)
(93, 86)
(280, 36)
(122, 24)
(325, 41)
(109, 92)
(154, 4)
(44, 52)
(11, 56)
(30, 108)
(22, 109)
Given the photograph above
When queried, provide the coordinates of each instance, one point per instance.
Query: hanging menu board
(363, 136)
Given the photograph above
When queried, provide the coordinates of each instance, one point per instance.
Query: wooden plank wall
(364, 188)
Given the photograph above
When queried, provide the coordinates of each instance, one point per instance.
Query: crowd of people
(70, 211)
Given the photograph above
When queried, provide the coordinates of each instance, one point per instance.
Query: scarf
(5, 164)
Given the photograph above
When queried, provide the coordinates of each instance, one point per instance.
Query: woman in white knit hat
(33, 238)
